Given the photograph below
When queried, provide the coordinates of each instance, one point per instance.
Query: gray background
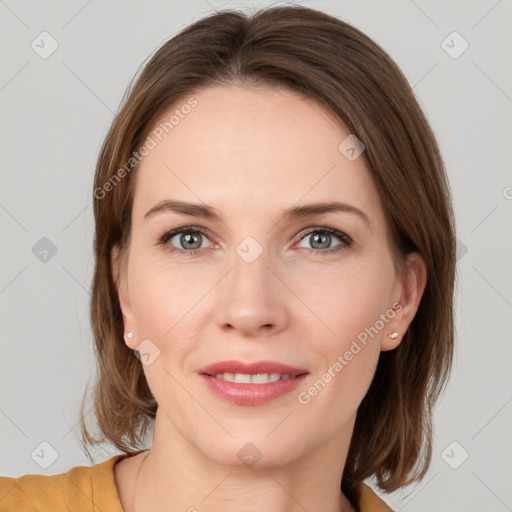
(55, 114)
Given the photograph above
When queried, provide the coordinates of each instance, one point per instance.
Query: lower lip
(251, 394)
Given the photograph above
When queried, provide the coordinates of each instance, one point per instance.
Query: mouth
(258, 372)
(255, 378)
(252, 383)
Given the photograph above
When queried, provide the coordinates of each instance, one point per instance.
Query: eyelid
(327, 229)
(345, 240)
(168, 234)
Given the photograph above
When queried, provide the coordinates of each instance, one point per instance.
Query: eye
(322, 237)
(187, 240)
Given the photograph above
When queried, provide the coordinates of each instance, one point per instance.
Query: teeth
(259, 378)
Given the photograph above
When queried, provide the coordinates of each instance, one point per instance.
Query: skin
(251, 153)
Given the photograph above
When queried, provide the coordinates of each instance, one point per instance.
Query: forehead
(248, 147)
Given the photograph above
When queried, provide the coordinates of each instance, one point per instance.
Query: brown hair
(334, 63)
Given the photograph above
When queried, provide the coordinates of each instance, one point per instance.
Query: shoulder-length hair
(342, 69)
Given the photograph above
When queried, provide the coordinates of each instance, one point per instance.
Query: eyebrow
(297, 212)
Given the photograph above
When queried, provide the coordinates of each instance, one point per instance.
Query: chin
(251, 452)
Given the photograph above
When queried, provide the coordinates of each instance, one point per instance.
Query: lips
(228, 381)
(254, 368)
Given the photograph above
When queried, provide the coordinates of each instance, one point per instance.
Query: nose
(252, 299)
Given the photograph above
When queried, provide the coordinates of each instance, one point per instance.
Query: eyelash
(345, 240)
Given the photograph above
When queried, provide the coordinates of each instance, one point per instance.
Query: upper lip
(251, 368)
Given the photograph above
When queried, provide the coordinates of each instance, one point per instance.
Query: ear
(409, 292)
(120, 280)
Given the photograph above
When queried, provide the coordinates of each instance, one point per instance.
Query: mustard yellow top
(93, 489)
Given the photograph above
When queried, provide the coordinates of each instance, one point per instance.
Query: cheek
(348, 355)
(350, 299)
(163, 294)
(353, 307)
(168, 304)
(165, 304)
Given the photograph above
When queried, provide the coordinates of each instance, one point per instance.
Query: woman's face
(260, 285)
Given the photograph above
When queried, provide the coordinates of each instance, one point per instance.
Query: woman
(275, 244)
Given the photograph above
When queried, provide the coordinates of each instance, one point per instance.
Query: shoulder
(31, 493)
(72, 490)
(369, 501)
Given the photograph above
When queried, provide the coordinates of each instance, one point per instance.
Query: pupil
(189, 239)
(317, 236)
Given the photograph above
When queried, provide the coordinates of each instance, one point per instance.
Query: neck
(176, 475)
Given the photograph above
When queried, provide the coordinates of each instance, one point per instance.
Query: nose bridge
(250, 279)
(250, 263)
(251, 296)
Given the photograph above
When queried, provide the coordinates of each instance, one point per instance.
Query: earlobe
(129, 340)
(391, 341)
(411, 291)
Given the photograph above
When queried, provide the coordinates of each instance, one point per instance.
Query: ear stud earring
(130, 334)
(393, 335)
